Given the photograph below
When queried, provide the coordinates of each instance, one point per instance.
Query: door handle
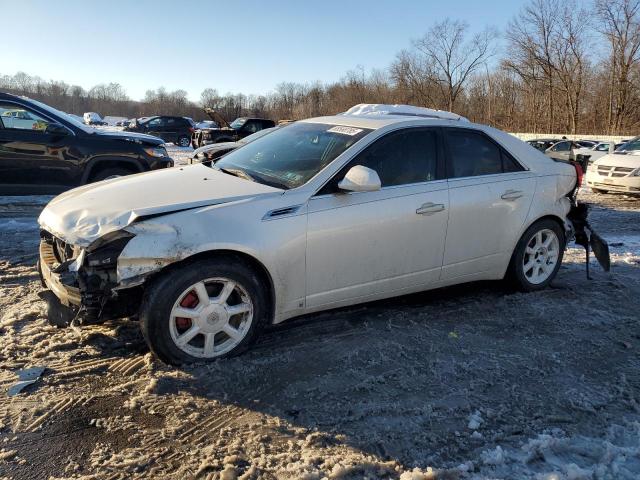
(511, 195)
(430, 208)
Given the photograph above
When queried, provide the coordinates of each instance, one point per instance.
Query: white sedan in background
(617, 172)
(326, 212)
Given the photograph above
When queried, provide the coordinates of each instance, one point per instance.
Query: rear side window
(473, 154)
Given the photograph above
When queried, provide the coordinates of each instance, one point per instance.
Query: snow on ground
(472, 382)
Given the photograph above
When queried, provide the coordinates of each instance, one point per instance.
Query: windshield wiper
(236, 172)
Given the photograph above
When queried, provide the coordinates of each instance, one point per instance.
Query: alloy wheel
(211, 317)
(541, 256)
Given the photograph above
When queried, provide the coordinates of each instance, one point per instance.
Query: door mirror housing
(360, 179)
(56, 129)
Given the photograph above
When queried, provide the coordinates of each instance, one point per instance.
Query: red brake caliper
(190, 300)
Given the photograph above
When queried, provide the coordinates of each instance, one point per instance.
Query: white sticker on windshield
(345, 130)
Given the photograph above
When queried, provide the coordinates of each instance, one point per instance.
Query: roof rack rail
(364, 109)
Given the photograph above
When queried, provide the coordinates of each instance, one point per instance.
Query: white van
(92, 118)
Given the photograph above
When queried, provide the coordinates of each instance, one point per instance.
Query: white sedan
(617, 172)
(326, 212)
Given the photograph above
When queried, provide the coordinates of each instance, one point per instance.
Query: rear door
(157, 127)
(364, 245)
(32, 160)
(490, 194)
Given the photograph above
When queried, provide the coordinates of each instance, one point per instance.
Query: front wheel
(183, 141)
(537, 257)
(203, 311)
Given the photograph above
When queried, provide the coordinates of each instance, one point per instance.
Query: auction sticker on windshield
(344, 130)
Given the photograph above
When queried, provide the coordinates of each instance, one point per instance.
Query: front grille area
(58, 251)
(611, 171)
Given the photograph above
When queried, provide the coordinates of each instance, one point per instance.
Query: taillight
(579, 174)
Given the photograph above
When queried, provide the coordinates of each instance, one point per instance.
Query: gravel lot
(470, 382)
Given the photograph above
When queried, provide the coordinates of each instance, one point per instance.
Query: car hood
(215, 147)
(82, 215)
(216, 117)
(132, 137)
(630, 160)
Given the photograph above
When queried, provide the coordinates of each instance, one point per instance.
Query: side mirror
(360, 179)
(56, 129)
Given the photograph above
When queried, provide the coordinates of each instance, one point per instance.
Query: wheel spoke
(528, 265)
(203, 295)
(232, 332)
(538, 239)
(548, 241)
(237, 309)
(185, 312)
(530, 251)
(188, 335)
(226, 291)
(209, 343)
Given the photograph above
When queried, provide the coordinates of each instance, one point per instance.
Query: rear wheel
(537, 257)
(183, 141)
(598, 190)
(203, 311)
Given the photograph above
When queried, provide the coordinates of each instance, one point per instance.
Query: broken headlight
(105, 251)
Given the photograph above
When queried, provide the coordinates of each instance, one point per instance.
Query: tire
(183, 141)
(177, 340)
(109, 173)
(598, 190)
(545, 261)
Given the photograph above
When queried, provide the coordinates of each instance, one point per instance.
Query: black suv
(239, 128)
(176, 130)
(44, 151)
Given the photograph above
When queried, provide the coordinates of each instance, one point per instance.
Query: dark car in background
(240, 128)
(171, 129)
(48, 151)
(214, 151)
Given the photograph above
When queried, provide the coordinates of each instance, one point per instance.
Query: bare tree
(450, 60)
(620, 24)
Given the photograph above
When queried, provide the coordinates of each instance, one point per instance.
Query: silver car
(319, 214)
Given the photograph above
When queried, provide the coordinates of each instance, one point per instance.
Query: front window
(238, 123)
(290, 156)
(68, 118)
(21, 119)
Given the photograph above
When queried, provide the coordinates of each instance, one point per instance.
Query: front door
(368, 245)
(32, 160)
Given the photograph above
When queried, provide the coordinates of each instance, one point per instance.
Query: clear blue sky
(246, 46)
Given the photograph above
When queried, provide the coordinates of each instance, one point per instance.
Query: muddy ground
(470, 382)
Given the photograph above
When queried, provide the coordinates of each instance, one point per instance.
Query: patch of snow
(475, 419)
(18, 224)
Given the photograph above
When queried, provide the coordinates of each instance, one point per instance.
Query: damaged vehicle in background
(617, 172)
(51, 151)
(224, 132)
(216, 150)
(381, 201)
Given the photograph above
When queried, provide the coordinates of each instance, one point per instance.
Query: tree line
(566, 66)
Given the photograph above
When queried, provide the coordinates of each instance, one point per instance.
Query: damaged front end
(82, 282)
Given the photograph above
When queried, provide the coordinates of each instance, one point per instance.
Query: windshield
(257, 135)
(65, 116)
(237, 123)
(630, 146)
(290, 156)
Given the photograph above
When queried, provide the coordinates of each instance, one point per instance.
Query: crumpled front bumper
(85, 294)
(65, 287)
